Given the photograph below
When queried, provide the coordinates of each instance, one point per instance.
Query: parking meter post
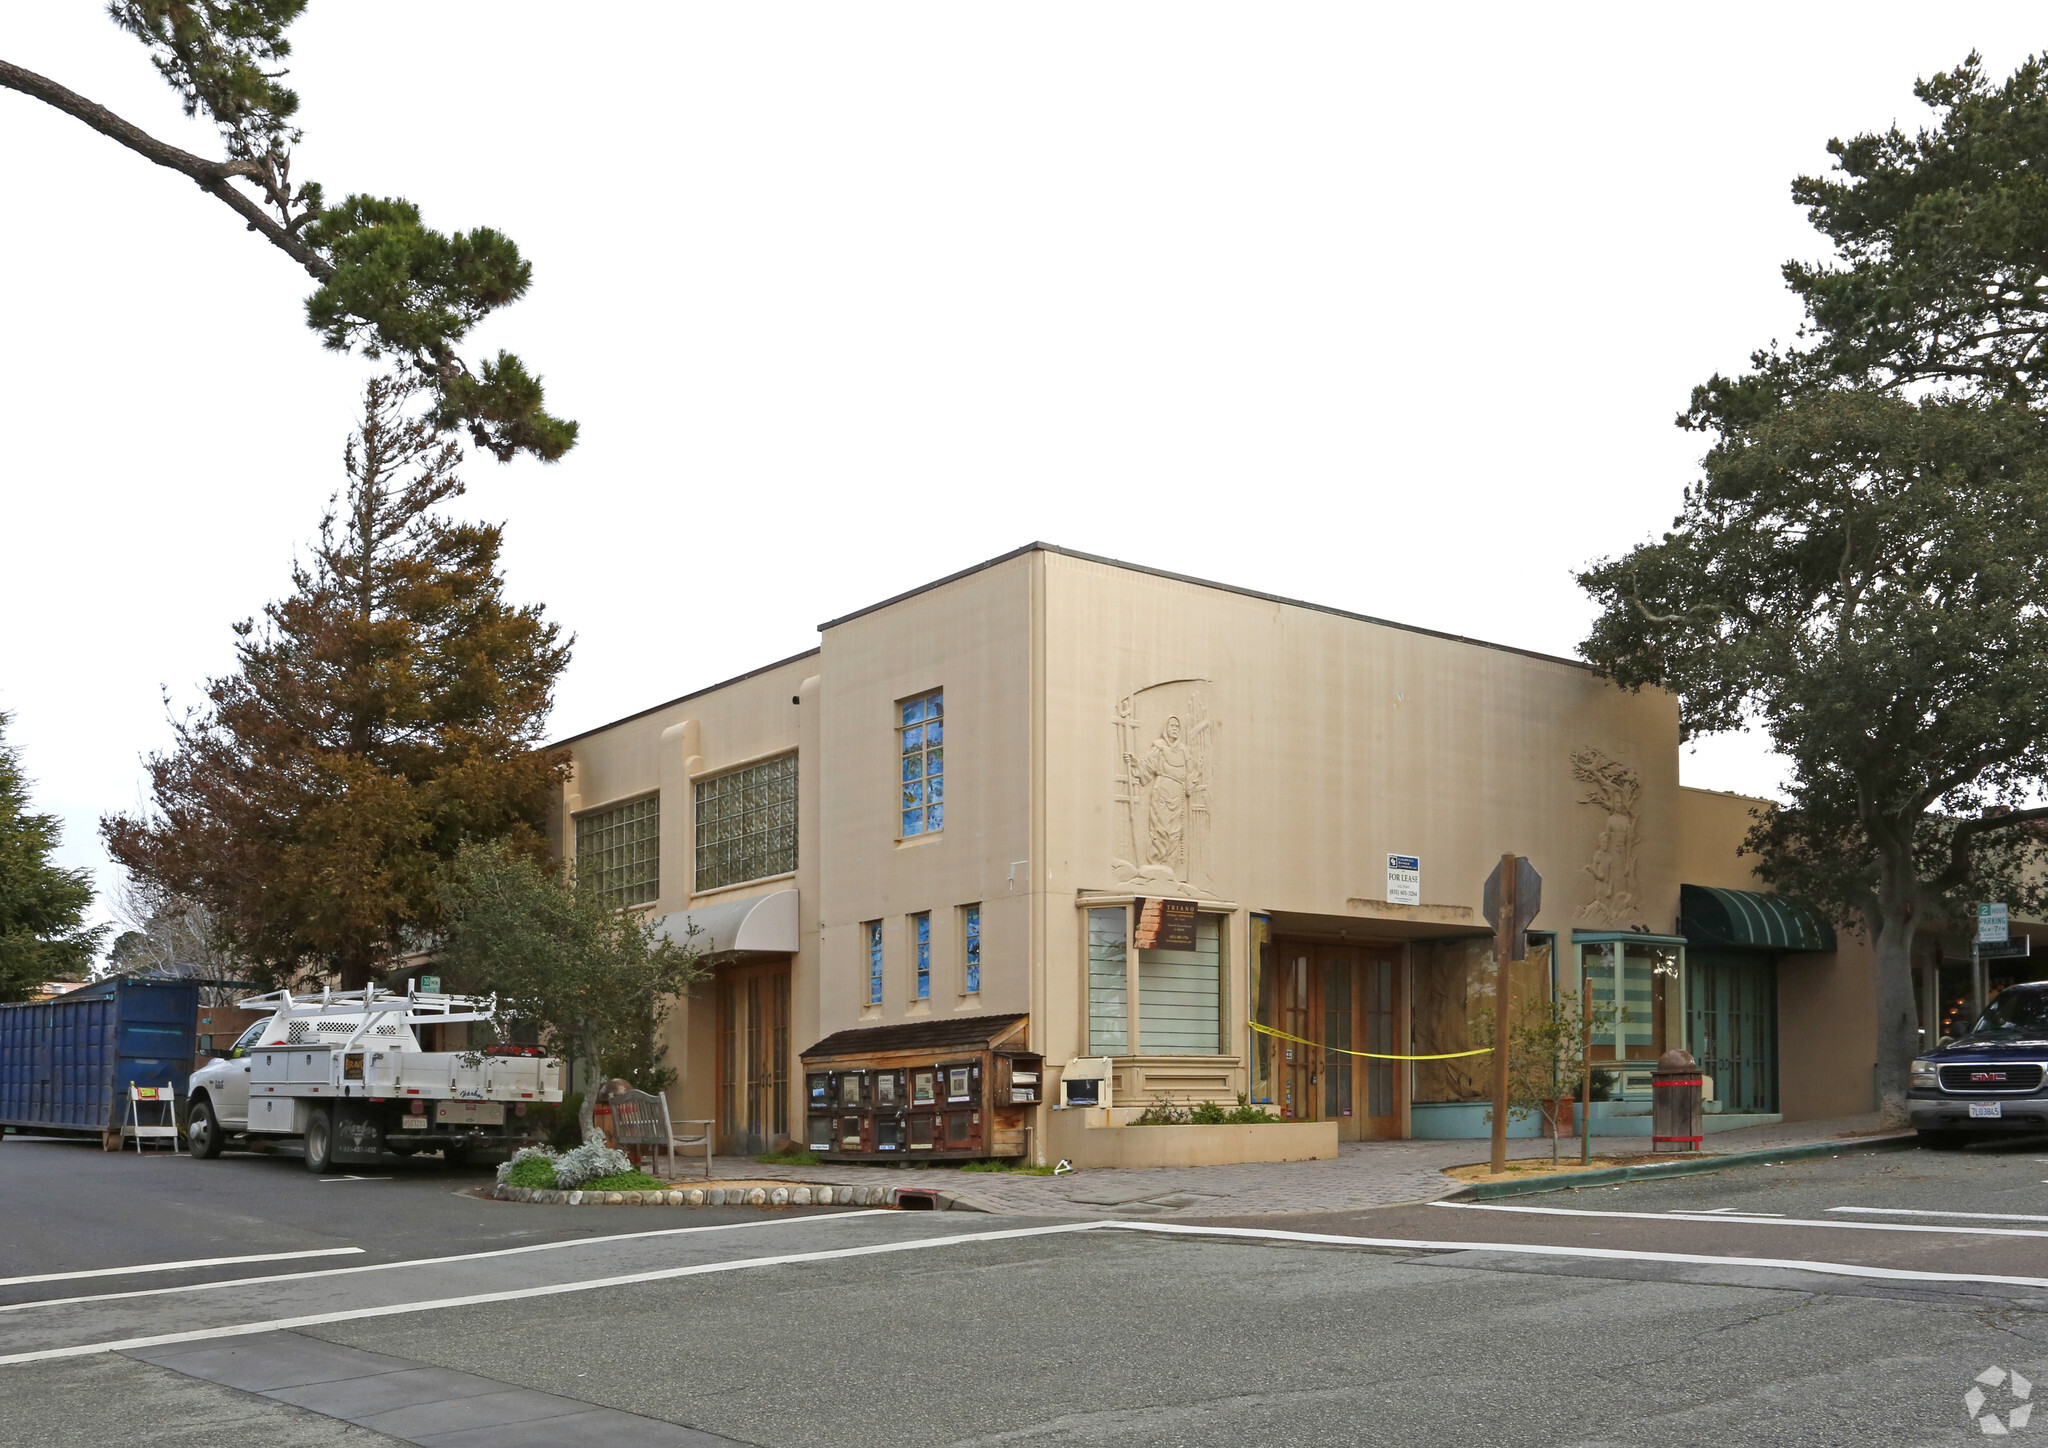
(1503, 951)
(1585, 1068)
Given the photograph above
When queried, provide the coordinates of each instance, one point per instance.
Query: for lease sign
(1404, 879)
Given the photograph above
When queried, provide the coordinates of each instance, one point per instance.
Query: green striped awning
(1750, 920)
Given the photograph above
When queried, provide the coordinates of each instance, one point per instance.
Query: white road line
(1913, 1212)
(185, 1266)
(1922, 1227)
(287, 1324)
(1607, 1254)
(1720, 1212)
(425, 1261)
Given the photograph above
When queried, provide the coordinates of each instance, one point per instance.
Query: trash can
(1675, 1103)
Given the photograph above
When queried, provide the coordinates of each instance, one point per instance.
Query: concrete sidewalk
(1364, 1174)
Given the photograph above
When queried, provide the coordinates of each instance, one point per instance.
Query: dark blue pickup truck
(1995, 1079)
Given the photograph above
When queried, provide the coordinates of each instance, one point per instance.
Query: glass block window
(921, 944)
(1109, 987)
(874, 934)
(970, 951)
(618, 852)
(921, 739)
(1180, 995)
(746, 823)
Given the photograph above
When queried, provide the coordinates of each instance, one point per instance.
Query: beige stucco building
(957, 805)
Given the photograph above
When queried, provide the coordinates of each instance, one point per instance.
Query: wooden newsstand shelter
(931, 1090)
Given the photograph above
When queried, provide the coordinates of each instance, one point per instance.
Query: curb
(1681, 1166)
(794, 1195)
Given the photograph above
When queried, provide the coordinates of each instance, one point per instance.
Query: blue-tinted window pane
(924, 930)
(935, 788)
(935, 733)
(875, 963)
(973, 949)
(935, 817)
(913, 822)
(913, 739)
(913, 766)
(936, 704)
(913, 711)
(913, 795)
(934, 760)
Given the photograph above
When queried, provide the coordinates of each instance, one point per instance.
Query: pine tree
(43, 934)
(387, 283)
(385, 712)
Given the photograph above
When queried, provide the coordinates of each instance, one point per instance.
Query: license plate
(470, 1113)
(414, 1123)
(1987, 1108)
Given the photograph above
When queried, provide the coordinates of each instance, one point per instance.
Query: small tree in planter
(1547, 1057)
(593, 978)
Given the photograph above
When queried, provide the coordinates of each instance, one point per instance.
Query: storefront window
(1643, 975)
(1109, 1023)
(1180, 995)
(1453, 1010)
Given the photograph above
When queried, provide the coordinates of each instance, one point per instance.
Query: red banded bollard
(1675, 1103)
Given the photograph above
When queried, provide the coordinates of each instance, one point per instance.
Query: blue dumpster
(66, 1064)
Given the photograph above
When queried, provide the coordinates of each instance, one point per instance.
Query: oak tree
(1862, 566)
(386, 711)
(387, 283)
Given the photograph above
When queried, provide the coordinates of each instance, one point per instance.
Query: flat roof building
(1147, 814)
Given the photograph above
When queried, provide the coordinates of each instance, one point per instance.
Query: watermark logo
(2017, 1391)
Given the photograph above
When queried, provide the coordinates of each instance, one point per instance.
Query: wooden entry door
(753, 1058)
(1343, 998)
(1382, 1084)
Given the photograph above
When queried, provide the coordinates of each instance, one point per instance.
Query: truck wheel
(202, 1131)
(1942, 1140)
(320, 1140)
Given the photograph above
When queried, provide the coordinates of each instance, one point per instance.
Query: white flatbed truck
(343, 1072)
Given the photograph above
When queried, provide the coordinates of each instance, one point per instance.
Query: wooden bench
(641, 1120)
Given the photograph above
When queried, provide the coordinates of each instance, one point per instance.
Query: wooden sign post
(1513, 894)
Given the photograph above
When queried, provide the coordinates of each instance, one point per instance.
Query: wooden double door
(1343, 998)
(753, 1057)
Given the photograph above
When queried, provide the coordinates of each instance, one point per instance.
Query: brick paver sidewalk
(1364, 1174)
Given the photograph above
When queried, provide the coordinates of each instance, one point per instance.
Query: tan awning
(757, 926)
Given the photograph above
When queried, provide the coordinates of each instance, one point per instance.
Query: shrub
(590, 1162)
(625, 1181)
(530, 1166)
(539, 1166)
(1163, 1112)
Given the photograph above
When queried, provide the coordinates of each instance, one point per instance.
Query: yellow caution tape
(1370, 1055)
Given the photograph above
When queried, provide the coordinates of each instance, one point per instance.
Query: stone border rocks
(793, 1195)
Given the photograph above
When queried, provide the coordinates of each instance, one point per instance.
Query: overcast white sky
(1389, 308)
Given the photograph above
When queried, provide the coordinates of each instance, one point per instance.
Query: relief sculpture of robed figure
(1169, 775)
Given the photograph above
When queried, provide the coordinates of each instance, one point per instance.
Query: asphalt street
(1856, 1300)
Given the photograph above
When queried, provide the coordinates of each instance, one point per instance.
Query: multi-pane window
(874, 936)
(921, 739)
(921, 944)
(618, 852)
(746, 824)
(970, 953)
(1109, 989)
(1180, 995)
